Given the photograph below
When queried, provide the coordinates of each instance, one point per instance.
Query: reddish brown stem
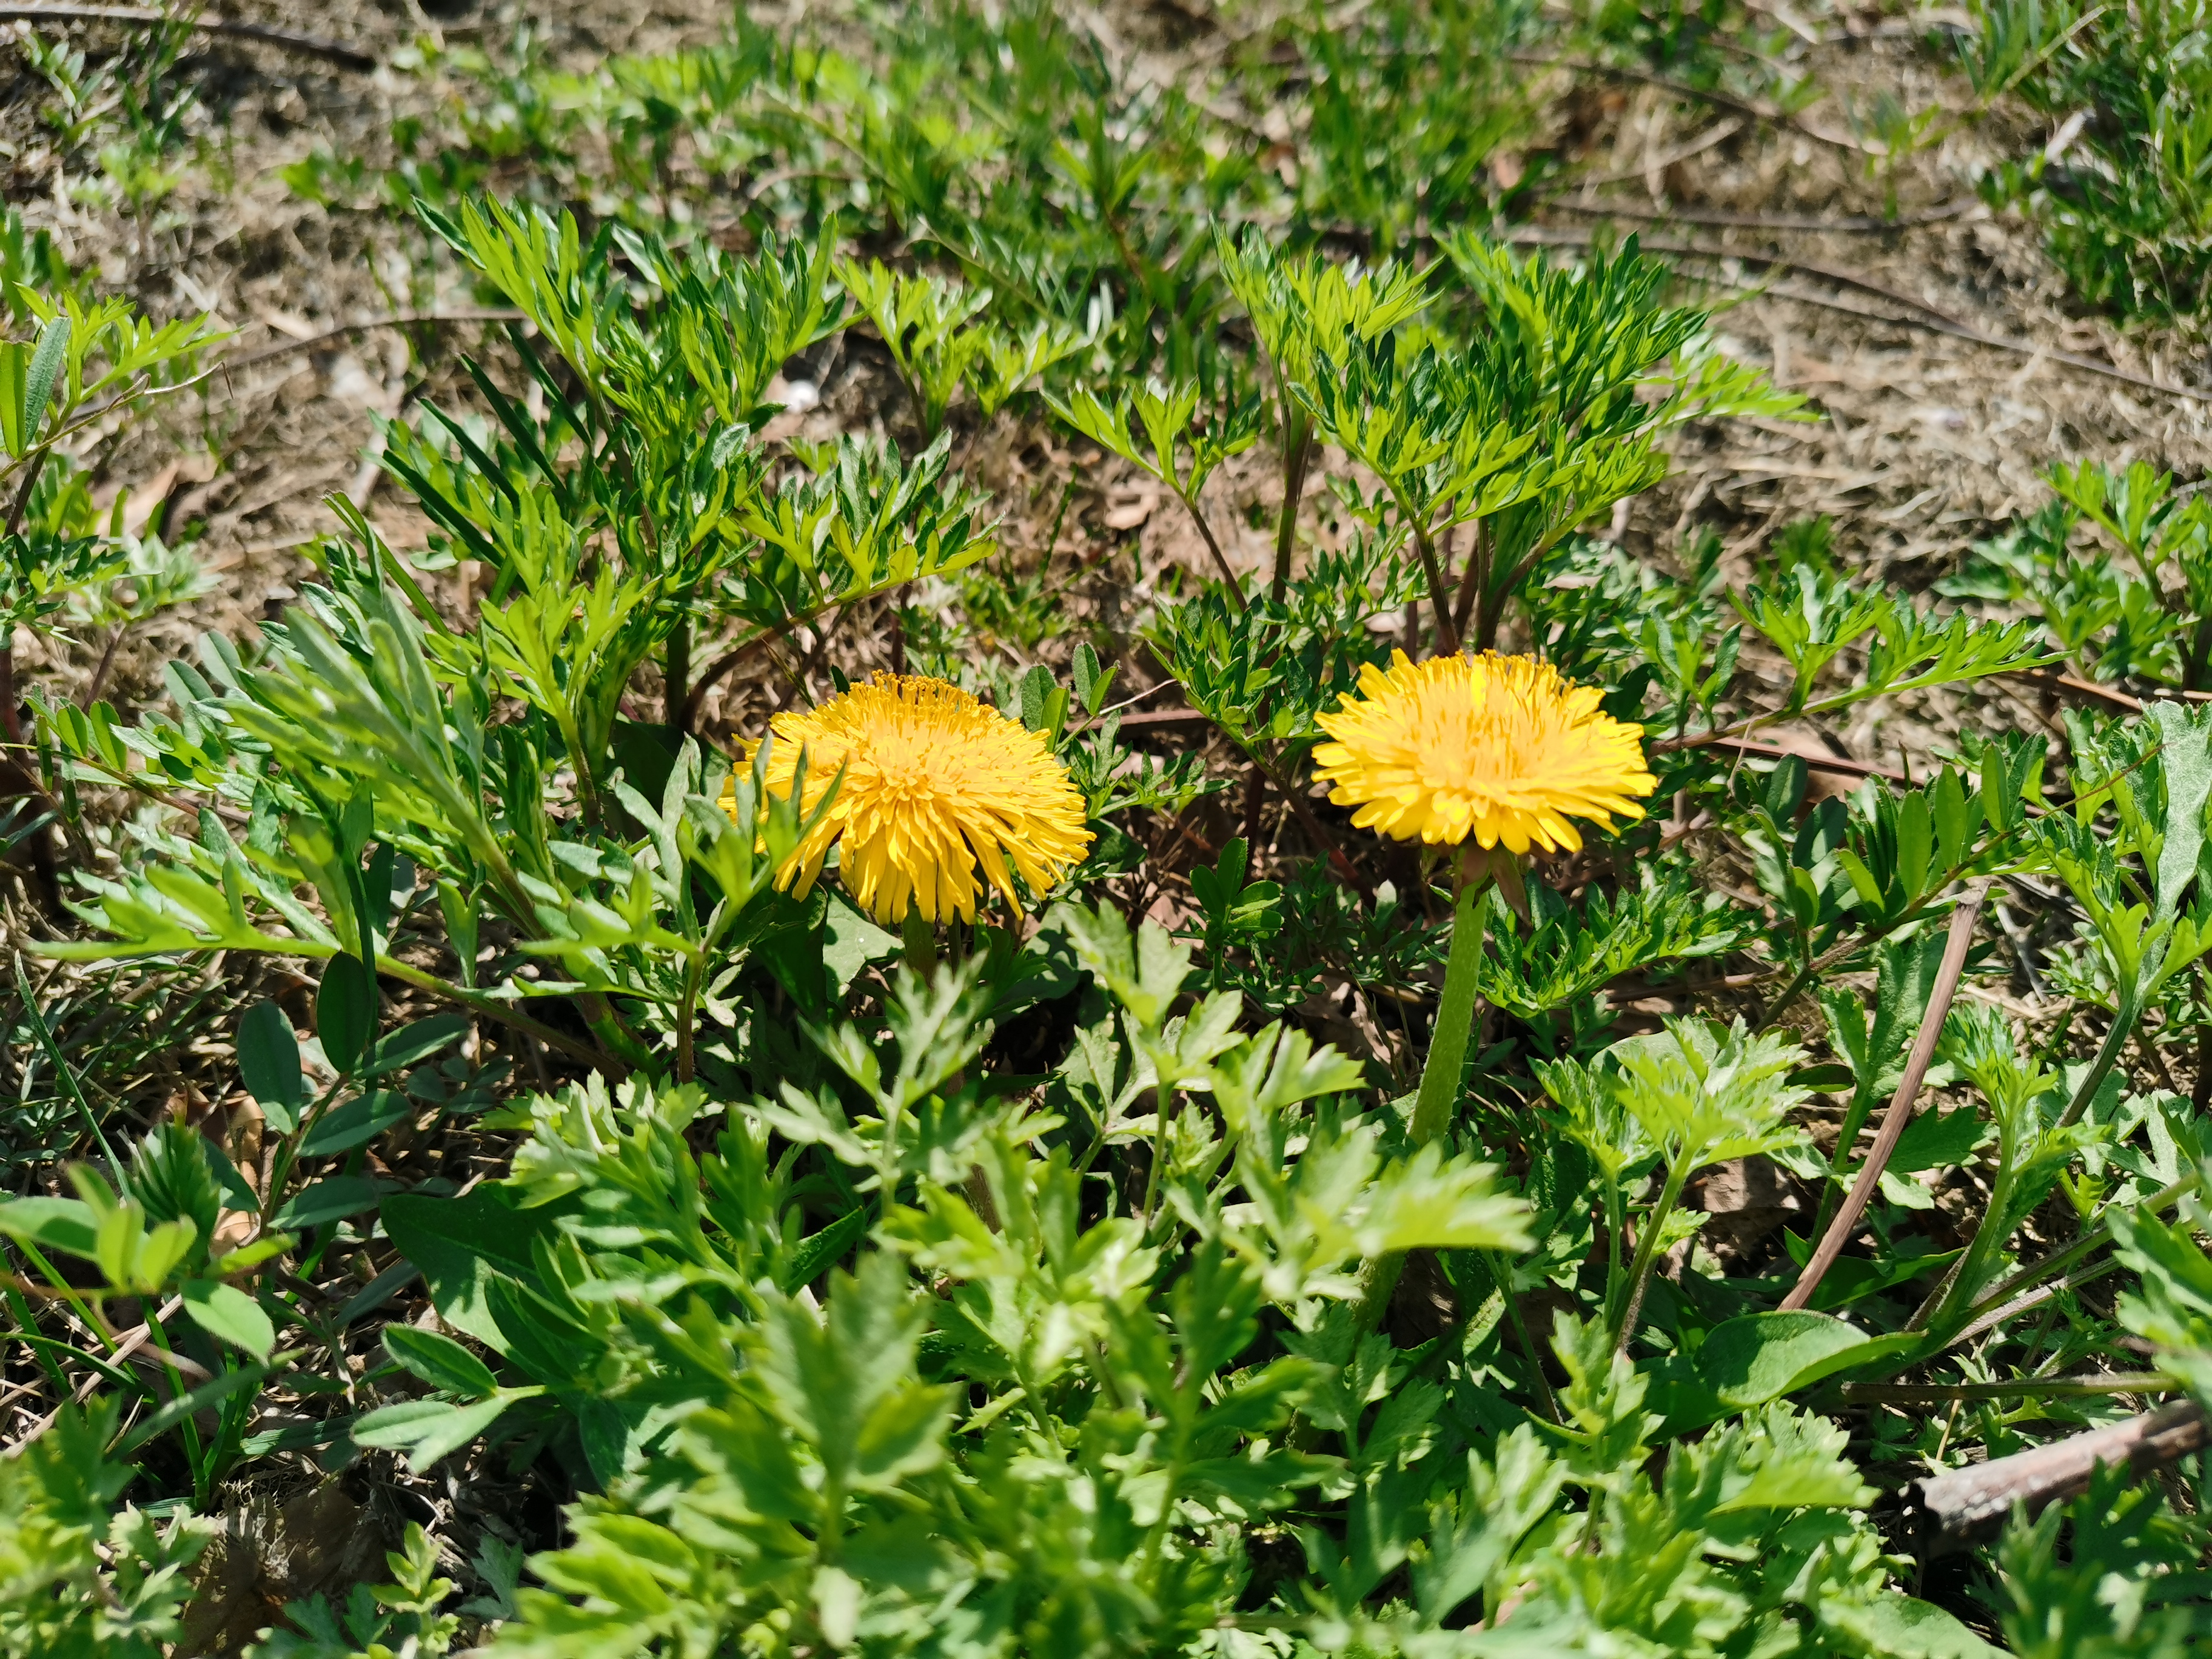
(1447, 635)
(1900, 1104)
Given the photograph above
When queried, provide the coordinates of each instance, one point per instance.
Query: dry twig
(1950, 1510)
(1900, 1104)
(309, 45)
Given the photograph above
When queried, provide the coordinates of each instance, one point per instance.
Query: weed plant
(966, 1169)
(2120, 183)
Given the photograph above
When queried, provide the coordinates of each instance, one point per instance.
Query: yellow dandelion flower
(935, 782)
(1499, 748)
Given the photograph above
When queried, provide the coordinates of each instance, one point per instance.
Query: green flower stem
(1616, 1222)
(919, 936)
(1647, 1246)
(1440, 1075)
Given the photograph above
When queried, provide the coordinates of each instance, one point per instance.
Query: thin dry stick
(335, 51)
(1838, 765)
(397, 320)
(1900, 1104)
(1540, 235)
(1719, 132)
(1712, 95)
(1951, 1510)
(1850, 225)
(2110, 696)
(1932, 320)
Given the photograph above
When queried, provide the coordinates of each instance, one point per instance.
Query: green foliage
(2120, 1585)
(78, 1575)
(88, 361)
(2142, 615)
(2123, 198)
(1081, 1279)
(379, 1623)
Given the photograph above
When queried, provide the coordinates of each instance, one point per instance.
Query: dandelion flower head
(935, 783)
(1503, 749)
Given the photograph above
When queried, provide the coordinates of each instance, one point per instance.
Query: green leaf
(355, 1123)
(2185, 759)
(345, 1012)
(1749, 1360)
(58, 1223)
(1936, 1141)
(462, 1243)
(327, 1201)
(14, 369)
(850, 942)
(541, 1339)
(268, 1064)
(413, 1044)
(226, 1311)
(440, 1361)
(846, 1381)
(1425, 1202)
(816, 1253)
(46, 366)
(425, 1431)
(1904, 1627)
(1712, 1092)
(212, 1392)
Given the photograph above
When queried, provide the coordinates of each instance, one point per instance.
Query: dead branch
(1948, 1511)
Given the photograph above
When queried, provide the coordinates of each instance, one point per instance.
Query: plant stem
(1439, 600)
(1647, 1246)
(1969, 1272)
(1220, 560)
(1992, 1304)
(2026, 1388)
(1441, 1076)
(686, 1058)
(2124, 1016)
(1839, 1230)
(37, 460)
(493, 1008)
(1502, 1274)
(676, 692)
(288, 1154)
(1471, 577)
(1298, 451)
(920, 941)
(1616, 1220)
